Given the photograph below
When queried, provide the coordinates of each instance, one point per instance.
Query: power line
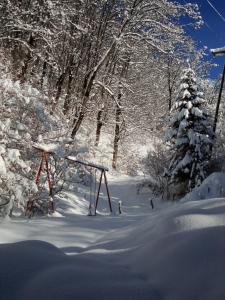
(216, 35)
(217, 12)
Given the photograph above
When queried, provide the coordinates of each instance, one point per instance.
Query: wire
(217, 12)
(219, 38)
(216, 35)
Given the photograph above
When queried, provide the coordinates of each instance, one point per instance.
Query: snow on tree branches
(190, 135)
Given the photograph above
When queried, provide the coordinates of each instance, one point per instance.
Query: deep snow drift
(174, 252)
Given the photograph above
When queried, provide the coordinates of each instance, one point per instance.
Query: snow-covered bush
(154, 165)
(24, 117)
(190, 135)
(5, 204)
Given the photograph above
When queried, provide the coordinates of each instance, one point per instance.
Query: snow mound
(38, 270)
(174, 252)
(212, 187)
(180, 252)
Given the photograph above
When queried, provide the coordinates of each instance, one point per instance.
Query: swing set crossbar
(99, 167)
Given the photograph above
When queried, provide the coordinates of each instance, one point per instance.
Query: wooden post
(152, 204)
(99, 187)
(219, 100)
(120, 207)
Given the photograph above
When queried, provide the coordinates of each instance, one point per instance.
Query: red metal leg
(48, 174)
(39, 169)
(51, 203)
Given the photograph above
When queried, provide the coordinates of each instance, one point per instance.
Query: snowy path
(87, 242)
(75, 230)
(174, 252)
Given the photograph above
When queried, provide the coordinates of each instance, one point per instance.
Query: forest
(112, 153)
(121, 78)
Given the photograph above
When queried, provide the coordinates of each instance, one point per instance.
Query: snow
(173, 252)
(211, 187)
(185, 161)
(197, 112)
(184, 113)
(51, 147)
(90, 164)
(189, 105)
(3, 170)
(183, 86)
(186, 94)
(218, 51)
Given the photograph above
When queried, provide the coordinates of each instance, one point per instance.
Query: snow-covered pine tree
(190, 135)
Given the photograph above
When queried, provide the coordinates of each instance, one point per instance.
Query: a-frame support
(103, 174)
(43, 166)
(44, 161)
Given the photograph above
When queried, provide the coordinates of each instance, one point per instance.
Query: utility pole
(218, 52)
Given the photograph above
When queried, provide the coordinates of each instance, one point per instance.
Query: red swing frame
(44, 160)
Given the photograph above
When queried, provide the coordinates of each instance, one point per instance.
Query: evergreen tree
(190, 135)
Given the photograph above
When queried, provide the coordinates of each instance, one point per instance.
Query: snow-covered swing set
(45, 154)
(103, 171)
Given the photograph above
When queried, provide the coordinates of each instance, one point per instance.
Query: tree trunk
(78, 122)
(88, 83)
(169, 87)
(66, 105)
(44, 71)
(87, 86)
(170, 99)
(99, 126)
(68, 71)
(59, 86)
(27, 59)
(90, 77)
(117, 133)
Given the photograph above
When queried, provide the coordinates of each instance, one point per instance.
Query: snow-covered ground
(174, 252)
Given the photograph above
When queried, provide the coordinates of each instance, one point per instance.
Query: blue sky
(212, 33)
